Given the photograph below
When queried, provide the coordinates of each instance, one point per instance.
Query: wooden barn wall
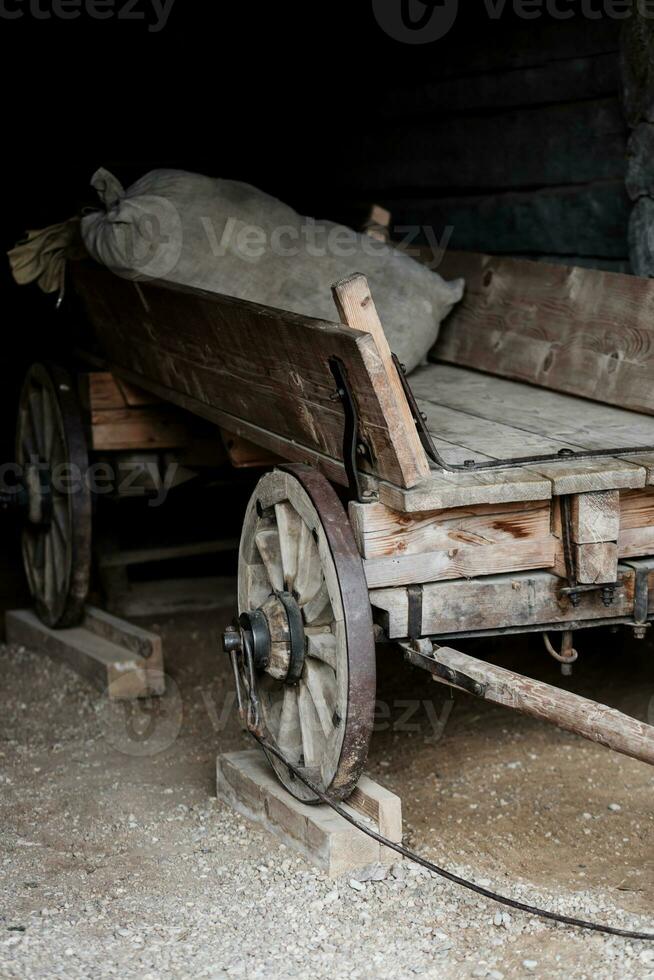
(517, 145)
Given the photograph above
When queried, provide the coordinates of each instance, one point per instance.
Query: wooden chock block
(246, 781)
(118, 658)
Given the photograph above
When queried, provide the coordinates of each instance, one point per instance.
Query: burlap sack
(228, 237)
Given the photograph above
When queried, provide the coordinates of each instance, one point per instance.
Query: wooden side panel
(401, 549)
(124, 418)
(636, 535)
(574, 330)
(233, 362)
(498, 602)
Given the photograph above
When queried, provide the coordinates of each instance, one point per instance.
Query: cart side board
(581, 331)
(261, 373)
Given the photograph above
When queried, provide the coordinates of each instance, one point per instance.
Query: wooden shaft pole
(591, 720)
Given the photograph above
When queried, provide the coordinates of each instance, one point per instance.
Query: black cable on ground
(450, 876)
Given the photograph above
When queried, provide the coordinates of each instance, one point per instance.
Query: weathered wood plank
(138, 428)
(595, 517)
(262, 366)
(636, 536)
(477, 435)
(398, 549)
(356, 309)
(573, 421)
(120, 661)
(443, 490)
(381, 531)
(246, 455)
(596, 563)
(464, 561)
(498, 602)
(581, 331)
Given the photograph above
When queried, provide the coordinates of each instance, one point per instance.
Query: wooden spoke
(289, 525)
(268, 546)
(323, 646)
(289, 736)
(37, 416)
(318, 611)
(48, 424)
(320, 681)
(313, 739)
(309, 574)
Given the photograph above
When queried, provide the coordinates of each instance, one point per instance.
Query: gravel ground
(117, 861)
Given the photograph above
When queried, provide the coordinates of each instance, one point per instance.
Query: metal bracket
(414, 596)
(642, 567)
(354, 446)
(450, 675)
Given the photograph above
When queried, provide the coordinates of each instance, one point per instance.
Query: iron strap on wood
(471, 466)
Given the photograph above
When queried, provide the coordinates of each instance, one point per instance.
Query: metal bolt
(640, 632)
(231, 639)
(566, 670)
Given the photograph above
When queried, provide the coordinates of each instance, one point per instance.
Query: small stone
(615, 807)
(530, 964)
(356, 885)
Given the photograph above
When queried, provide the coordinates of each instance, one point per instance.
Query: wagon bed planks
(481, 416)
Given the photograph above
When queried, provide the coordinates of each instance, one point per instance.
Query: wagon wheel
(304, 604)
(51, 453)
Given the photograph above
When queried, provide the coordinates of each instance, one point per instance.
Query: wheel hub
(275, 635)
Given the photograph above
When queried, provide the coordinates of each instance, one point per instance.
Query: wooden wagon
(506, 487)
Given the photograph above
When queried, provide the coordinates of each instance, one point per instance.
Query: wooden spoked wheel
(302, 594)
(52, 456)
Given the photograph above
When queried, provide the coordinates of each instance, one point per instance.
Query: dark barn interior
(520, 133)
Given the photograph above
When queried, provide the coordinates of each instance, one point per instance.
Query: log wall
(516, 148)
